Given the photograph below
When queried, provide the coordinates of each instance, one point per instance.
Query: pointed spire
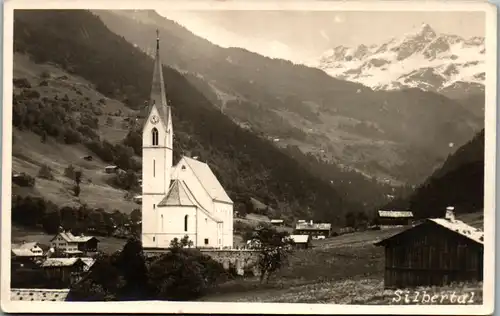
(158, 96)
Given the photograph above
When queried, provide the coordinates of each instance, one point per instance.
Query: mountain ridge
(423, 58)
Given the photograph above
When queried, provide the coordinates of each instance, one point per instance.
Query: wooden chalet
(313, 229)
(111, 169)
(66, 270)
(26, 254)
(394, 218)
(436, 252)
(301, 241)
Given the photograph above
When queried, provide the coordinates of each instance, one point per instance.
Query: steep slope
(376, 132)
(50, 85)
(422, 59)
(247, 165)
(459, 183)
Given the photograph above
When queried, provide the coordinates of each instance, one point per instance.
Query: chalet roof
(313, 226)
(69, 237)
(89, 262)
(60, 262)
(277, 221)
(395, 214)
(208, 180)
(178, 195)
(38, 294)
(461, 228)
(26, 250)
(455, 226)
(300, 239)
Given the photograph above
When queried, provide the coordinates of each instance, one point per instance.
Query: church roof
(158, 95)
(208, 180)
(177, 195)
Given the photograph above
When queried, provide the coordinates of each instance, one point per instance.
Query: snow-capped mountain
(422, 59)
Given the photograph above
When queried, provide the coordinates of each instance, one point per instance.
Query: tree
(275, 248)
(45, 172)
(132, 264)
(136, 215)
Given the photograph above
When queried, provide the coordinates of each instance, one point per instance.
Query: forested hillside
(247, 165)
(459, 183)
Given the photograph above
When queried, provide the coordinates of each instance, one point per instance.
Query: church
(182, 199)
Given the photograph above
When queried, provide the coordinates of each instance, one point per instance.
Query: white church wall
(225, 212)
(171, 224)
(149, 219)
(207, 231)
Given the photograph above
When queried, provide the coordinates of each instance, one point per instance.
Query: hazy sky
(302, 35)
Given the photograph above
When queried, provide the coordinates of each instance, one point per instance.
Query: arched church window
(186, 223)
(154, 134)
(162, 222)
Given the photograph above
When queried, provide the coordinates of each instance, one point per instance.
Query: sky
(304, 35)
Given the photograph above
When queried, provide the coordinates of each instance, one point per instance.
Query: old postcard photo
(249, 157)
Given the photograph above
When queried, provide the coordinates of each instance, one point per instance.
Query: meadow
(347, 269)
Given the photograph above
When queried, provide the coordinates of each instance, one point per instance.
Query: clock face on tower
(155, 119)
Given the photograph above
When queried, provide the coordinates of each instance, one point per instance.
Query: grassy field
(29, 153)
(347, 269)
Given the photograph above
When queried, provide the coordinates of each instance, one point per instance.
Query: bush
(21, 83)
(69, 172)
(45, 172)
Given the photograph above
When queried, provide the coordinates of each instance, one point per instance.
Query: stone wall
(243, 260)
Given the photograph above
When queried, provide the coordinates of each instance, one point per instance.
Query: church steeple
(158, 96)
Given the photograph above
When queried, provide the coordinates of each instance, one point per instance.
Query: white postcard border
(269, 308)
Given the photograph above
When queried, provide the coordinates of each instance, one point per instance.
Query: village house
(313, 229)
(26, 254)
(438, 251)
(65, 270)
(73, 245)
(388, 219)
(301, 241)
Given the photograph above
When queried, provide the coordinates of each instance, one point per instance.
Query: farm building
(74, 245)
(394, 218)
(26, 254)
(301, 241)
(313, 229)
(436, 252)
(277, 222)
(111, 169)
(66, 270)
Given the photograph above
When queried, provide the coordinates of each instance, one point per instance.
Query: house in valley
(73, 245)
(313, 229)
(301, 241)
(26, 254)
(64, 270)
(438, 251)
(388, 219)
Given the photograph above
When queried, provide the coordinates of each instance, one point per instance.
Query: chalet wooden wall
(432, 255)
